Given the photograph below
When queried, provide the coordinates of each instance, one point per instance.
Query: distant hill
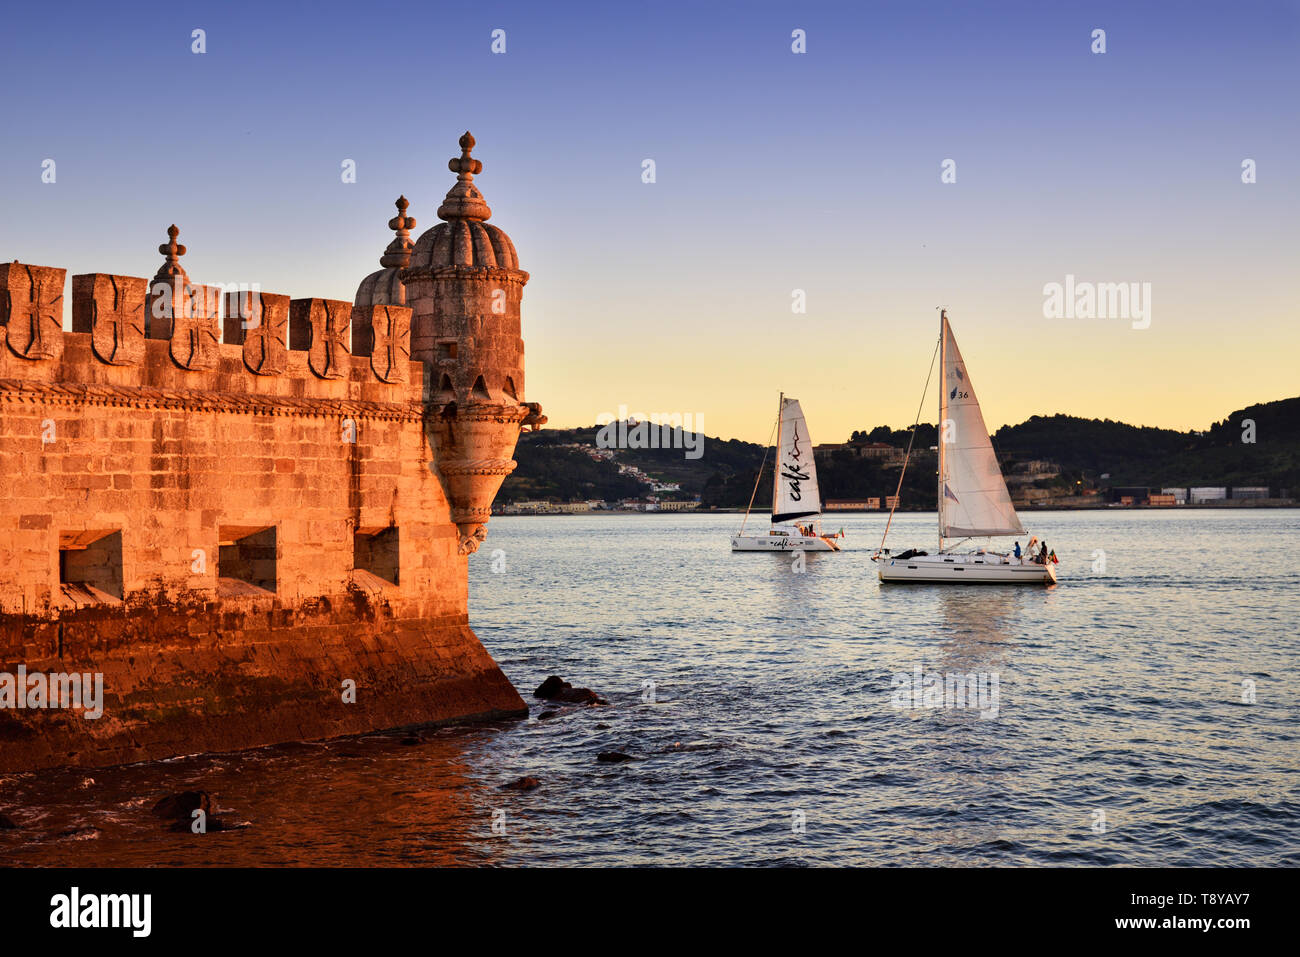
(1087, 445)
(550, 469)
(549, 473)
(1085, 449)
(1138, 455)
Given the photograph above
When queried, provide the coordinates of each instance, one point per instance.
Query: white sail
(973, 497)
(795, 494)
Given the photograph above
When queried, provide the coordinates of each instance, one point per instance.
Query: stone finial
(173, 251)
(464, 164)
(398, 253)
(464, 201)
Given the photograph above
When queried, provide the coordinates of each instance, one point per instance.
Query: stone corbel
(534, 420)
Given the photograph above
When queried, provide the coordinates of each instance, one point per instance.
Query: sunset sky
(775, 171)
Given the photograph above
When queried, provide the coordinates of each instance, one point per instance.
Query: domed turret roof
(465, 238)
(384, 287)
(463, 242)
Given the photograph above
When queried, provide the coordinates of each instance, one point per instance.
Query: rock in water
(522, 784)
(182, 806)
(556, 688)
(613, 757)
(550, 687)
(7, 823)
(580, 696)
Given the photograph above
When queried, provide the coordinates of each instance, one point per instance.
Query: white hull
(970, 568)
(781, 543)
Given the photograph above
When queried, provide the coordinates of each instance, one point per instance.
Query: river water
(1141, 712)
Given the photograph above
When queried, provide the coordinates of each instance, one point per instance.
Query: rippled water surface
(1120, 694)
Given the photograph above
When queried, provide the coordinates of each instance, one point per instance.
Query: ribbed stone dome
(464, 238)
(465, 242)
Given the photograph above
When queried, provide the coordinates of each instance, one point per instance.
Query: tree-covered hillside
(1085, 449)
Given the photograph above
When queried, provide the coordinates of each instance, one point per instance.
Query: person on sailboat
(1042, 554)
(1017, 551)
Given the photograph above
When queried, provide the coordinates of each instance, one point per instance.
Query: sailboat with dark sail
(796, 500)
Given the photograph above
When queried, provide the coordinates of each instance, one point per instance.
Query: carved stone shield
(111, 309)
(31, 310)
(323, 328)
(263, 331)
(390, 355)
(195, 340)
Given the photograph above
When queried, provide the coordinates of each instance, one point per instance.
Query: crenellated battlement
(231, 502)
(170, 333)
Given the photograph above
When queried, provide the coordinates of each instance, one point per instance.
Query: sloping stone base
(202, 677)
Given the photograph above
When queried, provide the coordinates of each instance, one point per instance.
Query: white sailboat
(973, 497)
(796, 500)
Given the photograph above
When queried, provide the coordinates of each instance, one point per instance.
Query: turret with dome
(463, 283)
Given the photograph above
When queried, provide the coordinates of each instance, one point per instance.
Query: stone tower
(463, 283)
(224, 506)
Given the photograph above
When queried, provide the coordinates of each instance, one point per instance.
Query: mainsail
(973, 497)
(794, 494)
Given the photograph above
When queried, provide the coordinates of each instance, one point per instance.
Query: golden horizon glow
(1183, 375)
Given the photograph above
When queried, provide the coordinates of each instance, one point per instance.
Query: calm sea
(1145, 713)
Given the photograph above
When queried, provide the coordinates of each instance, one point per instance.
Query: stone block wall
(187, 517)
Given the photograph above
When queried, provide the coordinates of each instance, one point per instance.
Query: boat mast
(943, 411)
(776, 468)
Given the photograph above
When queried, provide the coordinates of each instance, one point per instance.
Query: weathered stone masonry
(229, 517)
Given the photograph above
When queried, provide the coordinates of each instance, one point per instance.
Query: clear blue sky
(775, 171)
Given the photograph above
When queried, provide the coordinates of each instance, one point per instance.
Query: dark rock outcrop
(613, 757)
(580, 696)
(522, 784)
(7, 823)
(181, 807)
(550, 687)
(556, 688)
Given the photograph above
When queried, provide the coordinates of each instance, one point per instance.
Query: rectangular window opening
(447, 349)
(90, 565)
(375, 552)
(246, 559)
